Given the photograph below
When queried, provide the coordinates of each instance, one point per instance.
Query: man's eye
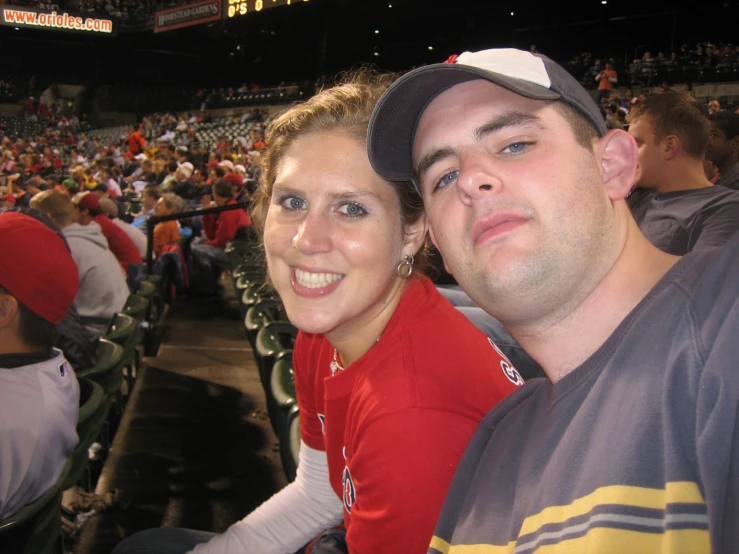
(446, 179)
(516, 147)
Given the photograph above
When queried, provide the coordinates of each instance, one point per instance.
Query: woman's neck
(353, 339)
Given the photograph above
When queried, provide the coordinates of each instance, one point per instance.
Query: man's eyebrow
(512, 119)
(430, 159)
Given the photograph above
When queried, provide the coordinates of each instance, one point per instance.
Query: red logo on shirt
(507, 367)
(350, 493)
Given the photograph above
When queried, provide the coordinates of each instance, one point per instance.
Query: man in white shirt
(39, 393)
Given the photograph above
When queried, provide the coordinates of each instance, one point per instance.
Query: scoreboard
(240, 8)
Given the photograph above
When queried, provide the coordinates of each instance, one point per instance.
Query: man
(103, 290)
(136, 142)
(138, 237)
(39, 393)
(606, 79)
(87, 211)
(678, 208)
(723, 148)
(714, 107)
(631, 444)
(209, 256)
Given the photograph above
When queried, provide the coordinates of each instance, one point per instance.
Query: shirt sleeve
(717, 227)
(311, 424)
(400, 471)
(209, 226)
(717, 434)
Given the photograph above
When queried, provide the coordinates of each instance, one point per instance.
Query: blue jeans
(162, 540)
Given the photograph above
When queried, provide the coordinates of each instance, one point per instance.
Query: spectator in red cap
(39, 393)
(88, 211)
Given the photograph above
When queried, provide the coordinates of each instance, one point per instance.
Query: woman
(391, 380)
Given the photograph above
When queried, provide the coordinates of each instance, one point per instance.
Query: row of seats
(36, 528)
(272, 338)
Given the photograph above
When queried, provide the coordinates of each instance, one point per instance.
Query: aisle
(194, 448)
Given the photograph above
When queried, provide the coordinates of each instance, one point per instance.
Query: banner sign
(185, 16)
(31, 18)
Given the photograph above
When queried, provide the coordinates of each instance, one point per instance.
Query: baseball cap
(87, 200)
(109, 207)
(42, 274)
(394, 120)
(69, 183)
(227, 164)
(235, 179)
(9, 198)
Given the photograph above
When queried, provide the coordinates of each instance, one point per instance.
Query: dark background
(307, 39)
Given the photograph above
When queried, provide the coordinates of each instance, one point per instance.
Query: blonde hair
(346, 107)
(55, 203)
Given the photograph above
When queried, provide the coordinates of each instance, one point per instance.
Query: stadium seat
(291, 442)
(259, 312)
(93, 413)
(126, 332)
(35, 528)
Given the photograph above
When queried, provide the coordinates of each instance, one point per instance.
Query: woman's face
(333, 235)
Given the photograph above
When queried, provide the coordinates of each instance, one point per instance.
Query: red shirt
(221, 228)
(120, 244)
(395, 423)
(136, 142)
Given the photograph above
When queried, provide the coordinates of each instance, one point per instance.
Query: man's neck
(562, 345)
(727, 166)
(684, 176)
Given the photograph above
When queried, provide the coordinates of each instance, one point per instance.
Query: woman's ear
(415, 235)
(618, 157)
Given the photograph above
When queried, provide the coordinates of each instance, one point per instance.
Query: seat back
(35, 528)
(108, 371)
(93, 413)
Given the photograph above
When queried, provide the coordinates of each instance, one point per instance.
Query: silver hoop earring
(405, 268)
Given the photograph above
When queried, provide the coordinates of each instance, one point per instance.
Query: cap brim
(394, 120)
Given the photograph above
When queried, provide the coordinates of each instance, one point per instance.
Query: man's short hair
(223, 188)
(152, 191)
(55, 203)
(584, 131)
(33, 329)
(728, 122)
(675, 113)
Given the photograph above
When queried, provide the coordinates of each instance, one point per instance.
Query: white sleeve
(288, 520)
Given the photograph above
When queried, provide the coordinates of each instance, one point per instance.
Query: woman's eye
(352, 209)
(292, 203)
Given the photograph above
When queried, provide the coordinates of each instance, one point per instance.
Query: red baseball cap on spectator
(214, 163)
(235, 179)
(40, 273)
(89, 201)
(9, 198)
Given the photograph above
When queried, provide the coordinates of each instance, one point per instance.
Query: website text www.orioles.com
(58, 21)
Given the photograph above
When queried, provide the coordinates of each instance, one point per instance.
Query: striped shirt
(635, 451)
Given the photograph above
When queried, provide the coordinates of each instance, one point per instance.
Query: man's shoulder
(517, 407)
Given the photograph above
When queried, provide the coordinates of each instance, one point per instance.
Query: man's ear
(672, 146)
(415, 235)
(618, 157)
(8, 309)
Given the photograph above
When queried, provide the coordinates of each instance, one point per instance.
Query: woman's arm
(288, 520)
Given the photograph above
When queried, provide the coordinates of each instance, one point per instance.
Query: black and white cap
(394, 121)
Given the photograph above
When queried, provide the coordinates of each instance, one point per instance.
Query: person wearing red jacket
(87, 212)
(209, 256)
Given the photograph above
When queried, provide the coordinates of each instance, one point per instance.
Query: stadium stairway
(195, 447)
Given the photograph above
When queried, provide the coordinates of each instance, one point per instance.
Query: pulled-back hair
(676, 113)
(346, 107)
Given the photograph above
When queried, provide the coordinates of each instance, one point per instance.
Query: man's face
(649, 171)
(714, 107)
(516, 206)
(720, 147)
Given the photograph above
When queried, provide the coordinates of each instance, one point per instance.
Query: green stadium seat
(93, 413)
(35, 528)
(126, 331)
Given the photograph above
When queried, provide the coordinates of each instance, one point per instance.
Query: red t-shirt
(395, 423)
(221, 228)
(120, 244)
(136, 142)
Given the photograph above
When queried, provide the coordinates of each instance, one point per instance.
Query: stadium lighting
(431, 47)
(389, 5)
(376, 53)
(377, 31)
(604, 2)
(511, 13)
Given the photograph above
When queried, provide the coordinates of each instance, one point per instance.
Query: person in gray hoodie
(103, 290)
